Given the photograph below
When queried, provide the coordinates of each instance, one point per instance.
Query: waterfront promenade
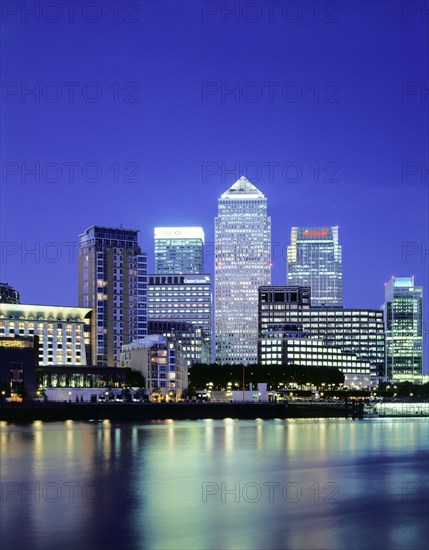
(56, 411)
(27, 412)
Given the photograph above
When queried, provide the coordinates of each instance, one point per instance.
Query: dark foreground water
(297, 484)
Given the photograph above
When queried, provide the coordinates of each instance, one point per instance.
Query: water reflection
(252, 484)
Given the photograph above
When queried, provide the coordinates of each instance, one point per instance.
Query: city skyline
(214, 221)
(208, 258)
(58, 258)
(332, 136)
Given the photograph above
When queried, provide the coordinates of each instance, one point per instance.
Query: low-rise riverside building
(18, 364)
(162, 363)
(64, 333)
(81, 384)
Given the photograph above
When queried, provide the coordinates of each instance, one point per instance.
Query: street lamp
(244, 387)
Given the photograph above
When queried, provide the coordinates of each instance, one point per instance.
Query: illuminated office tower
(242, 264)
(174, 300)
(358, 334)
(404, 329)
(113, 282)
(179, 250)
(314, 259)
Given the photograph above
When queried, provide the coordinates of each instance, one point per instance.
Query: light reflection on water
(297, 484)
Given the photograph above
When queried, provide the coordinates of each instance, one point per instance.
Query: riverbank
(28, 412)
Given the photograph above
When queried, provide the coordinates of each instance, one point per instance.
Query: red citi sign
(313, 233)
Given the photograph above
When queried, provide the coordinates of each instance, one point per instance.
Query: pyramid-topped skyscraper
(242, 264)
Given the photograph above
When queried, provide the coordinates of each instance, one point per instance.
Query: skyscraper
(314, 259)
(179, 250)
(113, 281)
(404, 329)
(242, 264)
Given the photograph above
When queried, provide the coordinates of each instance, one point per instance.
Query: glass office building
(403, 314)
(176, 299)
(356, 332)
(195, 344)
(314, 259)
(242, 264)
(179, 250)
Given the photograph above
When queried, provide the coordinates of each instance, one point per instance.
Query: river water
(295, 484)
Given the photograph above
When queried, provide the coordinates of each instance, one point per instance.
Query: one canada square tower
(242, 264)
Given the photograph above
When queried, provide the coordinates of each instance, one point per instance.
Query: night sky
(329, 118)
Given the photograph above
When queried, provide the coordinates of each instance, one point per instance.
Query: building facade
(87, 377)
(183, 298)
(8, 295)
(113, 282)
(196, 347)
(314, 259)
(179, 250)
(18, 364)
(64, 333)
(305, 351)
(161, 362)
(358, 332)
(242, 264)
(403, 316)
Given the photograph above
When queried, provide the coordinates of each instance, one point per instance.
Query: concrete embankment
(28, 412)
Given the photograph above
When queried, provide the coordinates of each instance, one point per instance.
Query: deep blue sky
(366, 123)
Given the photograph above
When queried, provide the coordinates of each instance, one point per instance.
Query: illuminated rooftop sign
(196, 279)
(179, 233)
(315, 232)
